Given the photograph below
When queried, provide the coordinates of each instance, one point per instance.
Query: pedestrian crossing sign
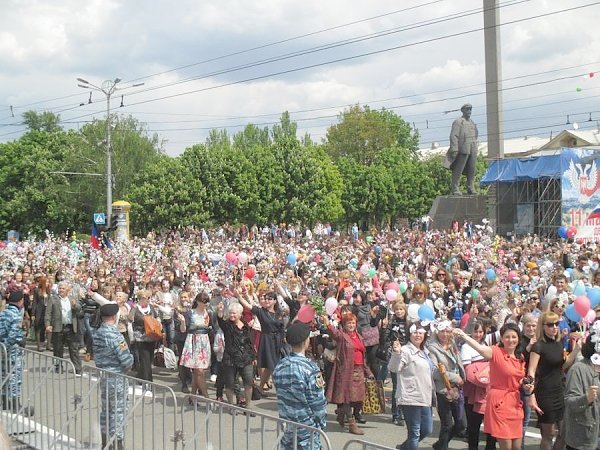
(99, 219)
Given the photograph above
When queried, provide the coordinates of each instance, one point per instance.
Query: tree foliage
(166, 195)
(362, 133)
(366, 171)
(45, 121)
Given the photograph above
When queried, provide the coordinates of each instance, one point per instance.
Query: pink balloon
(582, 305)
(512, 275)
(391, 295)
(231, 257)
(306, 314)
(590, 317)
(571, 232)
(394, 286)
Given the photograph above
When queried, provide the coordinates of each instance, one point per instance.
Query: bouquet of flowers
(318, 304)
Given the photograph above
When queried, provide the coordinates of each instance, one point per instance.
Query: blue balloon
(516, 287)
(490, 274)
(562, 232)
(579, 288)
(377, 250)
(354, 262)
(426, 313)
(594, 296)
(571, 272)
(291, 259)
(571, 314)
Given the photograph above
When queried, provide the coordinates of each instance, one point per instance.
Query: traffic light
(113, 222)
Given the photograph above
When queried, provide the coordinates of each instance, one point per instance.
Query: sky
(227, 63)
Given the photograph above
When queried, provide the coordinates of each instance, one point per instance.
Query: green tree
(133, 148)
(166, 195)
(33, 195)
(251, 136)
(361, 133)
(285, 129)
(313, 185)
(45, 121)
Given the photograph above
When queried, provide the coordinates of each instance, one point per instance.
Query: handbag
(384, 352)
(370, 336)
(330, 355)
(152, 328)
(374, 402)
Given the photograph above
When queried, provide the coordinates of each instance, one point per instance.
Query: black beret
(297, 333)
(110, 309)
(15, 297)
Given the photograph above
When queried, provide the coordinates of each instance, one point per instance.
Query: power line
(320, 48)
(271, 44)
(282, 41)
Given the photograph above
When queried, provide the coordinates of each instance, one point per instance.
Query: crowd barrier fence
(364, 445)
(67, 406)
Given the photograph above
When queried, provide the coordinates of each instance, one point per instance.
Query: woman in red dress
(503, 417)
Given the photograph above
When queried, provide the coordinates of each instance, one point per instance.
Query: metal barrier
(364, 445)
(208, 424)
(68, 408)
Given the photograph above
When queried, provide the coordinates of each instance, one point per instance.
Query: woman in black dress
(546, 366)
(272, 325)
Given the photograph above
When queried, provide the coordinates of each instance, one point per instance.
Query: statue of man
(462, 153)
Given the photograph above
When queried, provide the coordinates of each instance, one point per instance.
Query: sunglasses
(441, 274)
(552, 324)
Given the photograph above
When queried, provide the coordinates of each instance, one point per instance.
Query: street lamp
(108, 88)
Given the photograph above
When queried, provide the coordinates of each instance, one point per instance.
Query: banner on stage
(580, 185)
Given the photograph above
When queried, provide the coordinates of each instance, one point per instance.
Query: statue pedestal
(448, 208)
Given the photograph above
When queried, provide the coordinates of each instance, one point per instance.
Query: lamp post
(108, 88)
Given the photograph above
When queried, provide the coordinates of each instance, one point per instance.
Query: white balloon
(331, 305)
(413, 311)
(243, 257)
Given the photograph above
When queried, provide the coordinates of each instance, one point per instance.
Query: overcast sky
(223, 64)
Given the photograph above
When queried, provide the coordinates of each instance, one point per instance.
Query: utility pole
(493, 78)
(108, 88)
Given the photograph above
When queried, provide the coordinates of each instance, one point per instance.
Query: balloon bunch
(567, 232)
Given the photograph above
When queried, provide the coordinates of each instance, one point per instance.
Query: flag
(94, 237)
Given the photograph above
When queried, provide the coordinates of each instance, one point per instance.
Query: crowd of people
(483, 329)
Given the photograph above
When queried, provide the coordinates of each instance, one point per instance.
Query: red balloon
(249, 273)
(571, 232)
(582, 305)
(2, 244)
(306, 314)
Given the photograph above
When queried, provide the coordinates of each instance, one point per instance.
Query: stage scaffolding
(524, 207)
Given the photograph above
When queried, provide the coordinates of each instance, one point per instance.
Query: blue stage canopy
(526, 169)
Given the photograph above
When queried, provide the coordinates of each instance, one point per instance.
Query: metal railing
(68, 407)
(208, 424)
(364, 445)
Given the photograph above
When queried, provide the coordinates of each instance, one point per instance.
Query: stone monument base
(448, 208)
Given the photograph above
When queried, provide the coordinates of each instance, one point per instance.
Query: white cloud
(44, 46)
